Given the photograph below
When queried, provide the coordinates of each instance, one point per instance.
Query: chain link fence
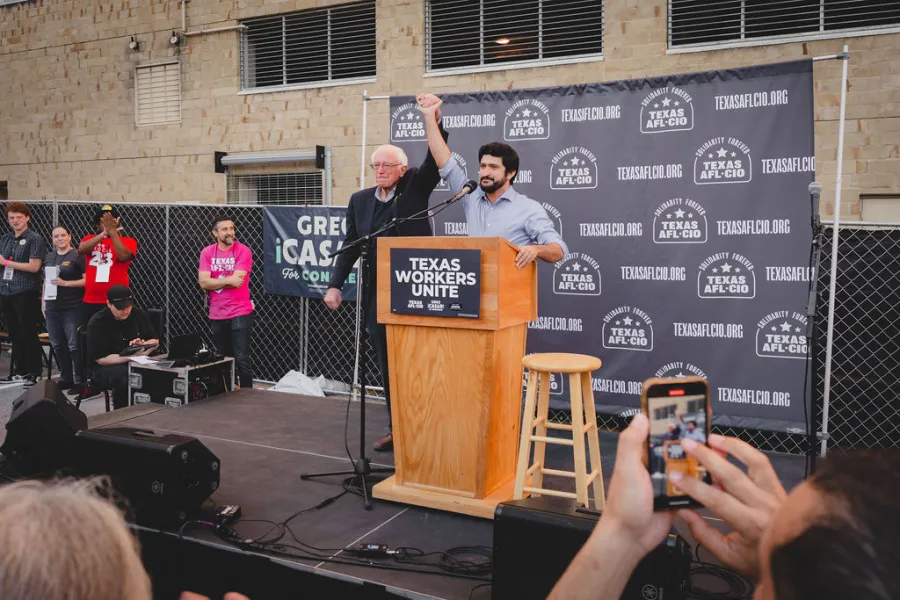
(288, 332)
(301, 333)
(864, 411)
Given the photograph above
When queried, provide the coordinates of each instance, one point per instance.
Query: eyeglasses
(376, 166)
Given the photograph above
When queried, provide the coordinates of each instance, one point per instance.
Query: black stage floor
(265, 440)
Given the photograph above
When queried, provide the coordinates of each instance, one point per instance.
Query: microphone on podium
(470, 187)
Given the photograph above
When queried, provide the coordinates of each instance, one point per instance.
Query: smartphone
(677, 408)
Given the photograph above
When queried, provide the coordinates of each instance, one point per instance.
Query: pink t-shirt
(227, 303)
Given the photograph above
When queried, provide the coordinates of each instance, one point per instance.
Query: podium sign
(436, 282)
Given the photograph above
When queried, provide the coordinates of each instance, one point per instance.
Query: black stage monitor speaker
(41, 429)
(164, 477)
(535, 539)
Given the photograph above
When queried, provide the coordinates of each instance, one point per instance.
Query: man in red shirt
(110, 257)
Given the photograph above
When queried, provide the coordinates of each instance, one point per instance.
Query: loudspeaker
(163, 477)
(40, 433)
(536, 538)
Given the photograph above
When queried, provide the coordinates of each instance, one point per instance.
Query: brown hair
(852, 551)
(18, 207)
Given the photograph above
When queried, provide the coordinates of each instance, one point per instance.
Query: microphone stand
(812, 332)
(362, 468)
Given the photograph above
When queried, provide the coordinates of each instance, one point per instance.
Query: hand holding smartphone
(677, 409)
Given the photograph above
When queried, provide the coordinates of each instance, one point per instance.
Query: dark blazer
(412, 194)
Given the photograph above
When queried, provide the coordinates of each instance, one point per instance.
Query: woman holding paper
(61, 305)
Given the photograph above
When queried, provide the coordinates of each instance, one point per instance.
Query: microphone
(470, 187)
(815, 189)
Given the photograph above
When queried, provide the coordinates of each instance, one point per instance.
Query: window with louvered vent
(157, 95)
(310, 48)
(481, 34)
(287, 188)
(698, 23)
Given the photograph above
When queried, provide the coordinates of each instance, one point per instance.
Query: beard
(493, 186)
(229, 240)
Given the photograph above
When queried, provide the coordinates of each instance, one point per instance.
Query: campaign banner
(683, 201)
(436, 282)
(297, 243)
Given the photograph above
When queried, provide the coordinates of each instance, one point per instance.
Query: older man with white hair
(399, 191)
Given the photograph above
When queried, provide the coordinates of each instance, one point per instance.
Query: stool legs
(525, 435)
(578, 439)
(593, 440)
(540, 446)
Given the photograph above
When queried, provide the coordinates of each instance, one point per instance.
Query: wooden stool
(535, 426)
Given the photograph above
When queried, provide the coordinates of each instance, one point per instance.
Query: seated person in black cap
(118, 326)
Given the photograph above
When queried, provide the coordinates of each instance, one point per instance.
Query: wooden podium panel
(456, 385)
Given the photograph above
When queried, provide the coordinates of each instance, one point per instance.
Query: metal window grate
(479, 33)
(308, 47)
(711, 22)
(157, 96)
(275, 188)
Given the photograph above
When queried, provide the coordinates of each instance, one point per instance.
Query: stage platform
(265, 440)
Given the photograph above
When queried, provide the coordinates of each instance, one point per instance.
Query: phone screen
(677, 411)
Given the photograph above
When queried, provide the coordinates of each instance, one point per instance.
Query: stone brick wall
(67, 126)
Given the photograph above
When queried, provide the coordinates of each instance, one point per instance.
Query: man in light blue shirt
(495, 209)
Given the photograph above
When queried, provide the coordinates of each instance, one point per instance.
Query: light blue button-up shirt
(513, 216)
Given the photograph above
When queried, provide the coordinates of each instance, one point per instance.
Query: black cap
(120, 296)
(105, 208)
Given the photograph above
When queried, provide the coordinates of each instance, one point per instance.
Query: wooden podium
(456, 384)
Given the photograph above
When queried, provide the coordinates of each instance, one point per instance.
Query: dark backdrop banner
(297, 241)
(683, 200)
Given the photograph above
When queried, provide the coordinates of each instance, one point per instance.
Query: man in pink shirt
(225, 274)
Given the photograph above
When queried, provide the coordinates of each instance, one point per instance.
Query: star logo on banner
(576, 267)
(722, 152)
(679, 213)
(575, 161)
(710, 155)
(618, 322)
(715, 270)
(733, 155)
(628, 320)
(526, 113)
(637, 323)
(796, 330)
(690, 215)
(666, 102)
(679, 374)
(785, 327)
(737, 270)
(409, 116)
(726, 268)
(676, 103)
(656, 105)
(774, 328)
(668, 215)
